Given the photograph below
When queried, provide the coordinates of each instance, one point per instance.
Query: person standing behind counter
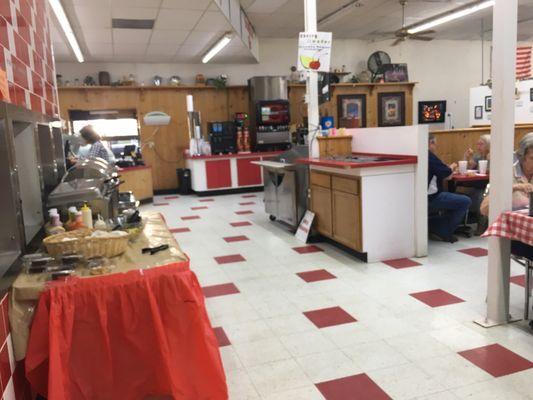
(97, 150)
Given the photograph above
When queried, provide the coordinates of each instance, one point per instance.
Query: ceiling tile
(186, 4)
(93, 17)
(168, 37)
(202, 39)
(100, 49)
(134, 12)
(213, 21)
(97, 35)
(131, 36)
(161, 50)
(135, 3)
(266, 6)
(177, 19)
(128, 49)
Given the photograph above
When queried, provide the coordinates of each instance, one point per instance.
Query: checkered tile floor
(304, 322)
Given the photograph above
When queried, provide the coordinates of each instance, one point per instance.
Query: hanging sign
(314, 51)
(305, 226)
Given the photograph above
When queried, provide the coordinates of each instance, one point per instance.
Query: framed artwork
(395, 72)
(531, 94)
(488, 103)
(478, 112)
(351, 110)
(431, 112)
(391, 109)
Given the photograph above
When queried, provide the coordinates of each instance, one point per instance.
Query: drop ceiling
(185, 29)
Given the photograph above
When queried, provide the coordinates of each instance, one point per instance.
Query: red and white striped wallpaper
(26, 54)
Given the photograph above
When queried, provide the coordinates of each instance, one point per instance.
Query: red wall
(26, 54)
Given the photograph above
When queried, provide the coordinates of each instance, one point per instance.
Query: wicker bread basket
(79, 241)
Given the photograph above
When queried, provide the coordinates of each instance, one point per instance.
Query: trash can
(184, 181)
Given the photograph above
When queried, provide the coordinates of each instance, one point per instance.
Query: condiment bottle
(78, 222)
(87, 216)
(100, 224)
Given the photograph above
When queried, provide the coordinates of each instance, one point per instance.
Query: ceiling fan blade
(423, 38)
(398, 41)
(426, 32)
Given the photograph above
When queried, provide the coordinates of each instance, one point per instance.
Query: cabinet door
(248, 174)
(321, 206)
(218, 173)
(347, 219)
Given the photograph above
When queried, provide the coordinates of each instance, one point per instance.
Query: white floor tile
(261, 352)
(375, 355)
(301, 344)
(323, 367)
(281, 376)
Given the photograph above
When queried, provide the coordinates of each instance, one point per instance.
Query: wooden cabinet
(321, 206)
(139, 181)
(336, 202)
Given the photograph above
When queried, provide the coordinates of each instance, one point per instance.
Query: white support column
(313, 116)
(504, 37)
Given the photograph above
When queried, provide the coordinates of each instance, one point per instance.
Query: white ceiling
(185, 29)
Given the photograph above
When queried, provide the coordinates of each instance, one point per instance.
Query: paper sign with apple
(314, 51)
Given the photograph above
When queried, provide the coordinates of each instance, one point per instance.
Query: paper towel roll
(190, 105)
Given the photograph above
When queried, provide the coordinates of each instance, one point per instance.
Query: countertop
(396, 160)
(235, 155)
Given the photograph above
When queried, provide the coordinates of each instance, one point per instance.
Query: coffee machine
(269, 113)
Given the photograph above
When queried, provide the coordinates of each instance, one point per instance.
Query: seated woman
(522, 176)
(482, 152)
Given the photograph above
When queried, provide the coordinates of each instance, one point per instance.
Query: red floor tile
(249, 196)
(316, 275)
(402, 263)
(160, 204)
(519, 280)
(190, 217)
(475, 252)
(199, 208)
(171, 197)
(233, 258)
(220, 290)
(221, 336)
(496, 360)
(436, 298)
(241, 223)
(307, 249)
(179, 230)
(244, 212)
(356, 387)
(247, 203)
(206, 200)
(231, 239)
(329, 317)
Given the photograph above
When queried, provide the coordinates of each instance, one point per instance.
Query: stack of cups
(483, 165)
(463, 167)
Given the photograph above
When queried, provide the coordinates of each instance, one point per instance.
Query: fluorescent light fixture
(67, 29)
(223, 42)
(341, 12)
(451, 15)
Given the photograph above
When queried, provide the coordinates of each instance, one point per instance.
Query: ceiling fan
(403, 34)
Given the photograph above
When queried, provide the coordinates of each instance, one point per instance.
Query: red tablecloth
(144, 334)
(514, 225)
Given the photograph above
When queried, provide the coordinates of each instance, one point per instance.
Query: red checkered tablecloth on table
(514, 225)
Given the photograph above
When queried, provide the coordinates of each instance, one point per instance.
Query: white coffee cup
(483, 165)
(463, 165)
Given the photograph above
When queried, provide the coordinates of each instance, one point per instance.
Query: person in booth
(522, 176)
(97, 149)
(452, 206)
(482, 152)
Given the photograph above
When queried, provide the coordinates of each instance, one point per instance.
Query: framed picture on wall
(531, 94)
(478, 112)
(391, 109)
(431, 112)
(488, 103)
(351, 110)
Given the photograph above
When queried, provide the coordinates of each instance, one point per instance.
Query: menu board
(314, 51)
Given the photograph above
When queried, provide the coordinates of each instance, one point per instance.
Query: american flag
(523, 62)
